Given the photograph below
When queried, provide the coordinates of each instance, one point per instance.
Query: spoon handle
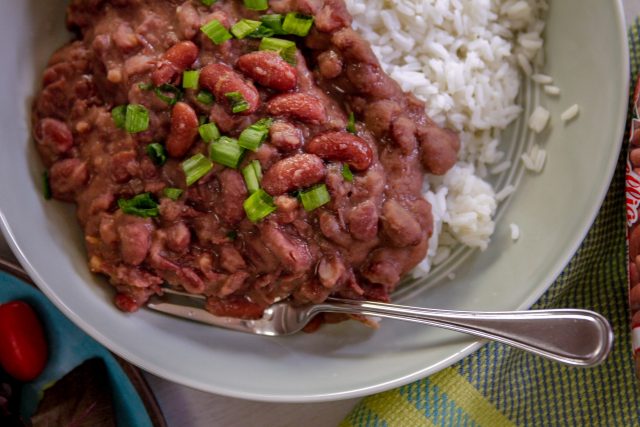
(572, 336)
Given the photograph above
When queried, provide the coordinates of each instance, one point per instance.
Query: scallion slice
(208, 2)
(253, 136)
(205, 97)
(168, 93)
(256, 4)
(315, 197)
(119, 116)
(244, 27)
(46, 186)
(216, 32)
(346, 173)
(157, 153)
(226, 151)
(172, 193)
(232, 235)
(351, 125)
(145, 86)
(196, 167)
(286, 48)
(209, 132)
(202, 120)
(272, 21)
(190, 79)
(141, 205)
(258, 205)
(136, 119)
(297, 24)
(252, 174)
(238, 103)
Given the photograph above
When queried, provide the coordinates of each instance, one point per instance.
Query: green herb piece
(346, 173)
(244, 27)
(196, 167)
(119, 116)
(253, 136)
(205, 97)
(256, 4)
(226, 151)
(297, 24)
(286, 48)
(315, 197)
(209, 132)
(272, 21)
(351, 125)
(190, 79)
(232, 235)
(141, 205)
(208, 2)
(136, 119)
(252, 174)
(168, 93)
(157, 153)
(216, 32)
(258, 205)
(173, 193)
(238, 103)
(145, 86)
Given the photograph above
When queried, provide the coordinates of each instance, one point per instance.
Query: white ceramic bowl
(586, 54)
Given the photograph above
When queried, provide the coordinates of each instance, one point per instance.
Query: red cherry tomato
(23, 347)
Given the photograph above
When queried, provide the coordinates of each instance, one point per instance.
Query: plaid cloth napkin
(499, 386)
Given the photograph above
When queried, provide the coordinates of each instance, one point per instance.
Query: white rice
(464, 59)
(552, 90)
(542, 79)
(515, 231)
(570, 113)
(539, 119)
(534, 159)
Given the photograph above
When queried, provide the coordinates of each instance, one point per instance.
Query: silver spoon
(572, 336)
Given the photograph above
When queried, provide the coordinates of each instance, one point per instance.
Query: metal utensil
(571, 336)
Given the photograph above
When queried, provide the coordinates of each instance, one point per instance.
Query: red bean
(268, 69)
(300, 106)
(285, 135)
(342, 147)
(220, 79)
(439, 149)
(399, 225)
(175, 60)
(299, 171)
(184, 129)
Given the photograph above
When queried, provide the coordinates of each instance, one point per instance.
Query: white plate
(586, 54)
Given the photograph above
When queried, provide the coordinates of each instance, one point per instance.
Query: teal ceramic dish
(69, 347)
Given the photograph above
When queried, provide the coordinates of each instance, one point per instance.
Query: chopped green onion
(238, 103)
(232, 235)
(272, 21)
(252, 137)
(190, 79)
(202, 120)
(46, 186)
(205, 97)
(286, 48)
(244, 27)
(168, 93)
(258, 205)
(261, 32)
(297, 24)
(141, 205)
(136, 119)
(346, 173)
(208, 2)
(173, 193)
(119, 116)
(216, 31)
(196, 167)
(209, 132)
(256, 4)
(226, 151)
(351, 125)
(315, 197)
(252, 174)
(157, 153)
(145, 86)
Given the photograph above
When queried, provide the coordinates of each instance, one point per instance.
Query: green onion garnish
(168, 93)
(252, 174)
(136, 119)
(196, 167)
(252, 137)
(157, 153)
(141, 205)
(216, 31)
(226, 151)
(244, 27)
(119, 116)
(145, 86)
(346, 173)
(46, 186)
(202, 120)
(315, 197)
(273, 21)
(205, 97)
(173, 193)
(297, 24)
(232, 235)
(208, 2)
(258, 205)
(209, 132)
(351, 125)
(286, 48)
(190, 79)
(238, 103)
(256, 4)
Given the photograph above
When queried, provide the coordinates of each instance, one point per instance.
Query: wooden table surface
(185, 407)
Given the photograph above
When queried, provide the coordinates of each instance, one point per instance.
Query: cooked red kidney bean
(66, 177)
(363, 221)
(299, 171)
(292, 252)
(300, 106)
(330, 64)
(268, 69)
(54, 137)
(330, 270)
(134, 235)
(439, 149)
(399, 224)
(634, 156)
(342, 147)
(233, 192)
(285, 135)
(403, 133)
(220, 79)
(379, 115)
(177, 59)
(184, 129)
